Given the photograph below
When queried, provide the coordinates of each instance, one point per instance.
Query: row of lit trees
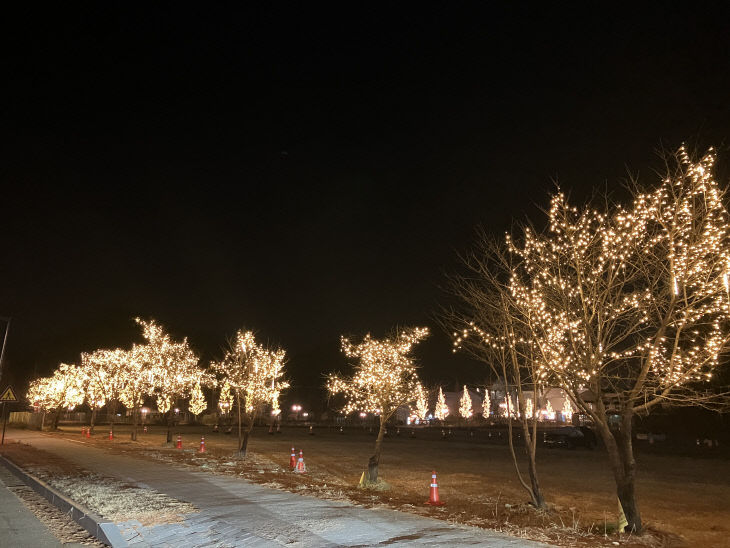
(507, 409)
(250, 376)
(629, 305)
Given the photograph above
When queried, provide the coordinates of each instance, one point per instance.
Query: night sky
(309, 172)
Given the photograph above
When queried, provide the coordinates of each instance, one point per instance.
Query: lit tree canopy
(102, 370)
(62, 389)
(633, 301)
(385, 376)
(173, 365)
(253, 371)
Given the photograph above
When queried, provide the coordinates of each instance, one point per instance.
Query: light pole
(5, 340)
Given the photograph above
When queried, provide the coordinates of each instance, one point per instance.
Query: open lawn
(679, 496)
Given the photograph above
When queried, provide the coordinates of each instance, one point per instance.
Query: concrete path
(18, 526)
(235, 512)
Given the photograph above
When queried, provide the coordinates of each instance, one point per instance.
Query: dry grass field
(683, 499)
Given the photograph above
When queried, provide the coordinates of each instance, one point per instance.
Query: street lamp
(296, 408)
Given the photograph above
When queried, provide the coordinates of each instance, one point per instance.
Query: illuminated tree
(105, 371)
(384, 379)
(421, 402)
(549, 411)
(567, 410)
(486, 404)
(442, 410)
(225, 400)
(631, 303)
(137, 382)
(63, 389)
(465, 405)
(95, 393)
(197, 402)
(173, 366)
(529, 410)
(255, 376)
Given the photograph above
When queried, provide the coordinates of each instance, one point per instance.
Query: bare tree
(631, 304)
(384, 379)
(487, 324)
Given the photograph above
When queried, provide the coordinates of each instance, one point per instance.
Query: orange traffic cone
(88, 432)
(300, 468)
(434, 498)
(179, 441)
(271, 429)
(111, 435)
(83, 431)
(202, 444)
(144, 430)
(293, 459)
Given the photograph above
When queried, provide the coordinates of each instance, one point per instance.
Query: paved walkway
(18, 526)
(235, 512)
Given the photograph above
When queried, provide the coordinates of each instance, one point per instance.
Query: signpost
(7, 396)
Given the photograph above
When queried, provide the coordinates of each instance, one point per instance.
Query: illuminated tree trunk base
(621, 457)
(243, 448)
(538, 500)
(374, 461)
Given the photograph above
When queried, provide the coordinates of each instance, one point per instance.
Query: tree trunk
(169, 425)
(134, 423)
(538, 500)
(240, 433)
(43, 421)
(112, 415)
(374, 461)
(93, 420)
(621, 456)
(57, 418)
(243, 447)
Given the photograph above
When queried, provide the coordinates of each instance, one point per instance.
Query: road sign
(8, 395)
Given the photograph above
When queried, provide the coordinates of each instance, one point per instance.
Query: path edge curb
(104, 530)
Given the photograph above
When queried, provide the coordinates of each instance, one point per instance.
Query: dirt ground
(683, 500)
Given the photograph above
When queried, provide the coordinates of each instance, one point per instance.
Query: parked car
(570, 437)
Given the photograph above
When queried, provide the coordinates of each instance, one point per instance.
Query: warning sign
(8, 395)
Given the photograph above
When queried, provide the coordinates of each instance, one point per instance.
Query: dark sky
(308, 172)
